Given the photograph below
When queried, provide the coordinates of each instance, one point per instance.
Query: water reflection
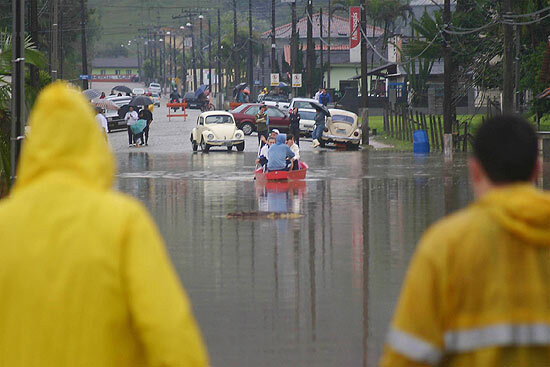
(313, 291)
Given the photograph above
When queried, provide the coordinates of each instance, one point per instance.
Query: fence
(400, 122)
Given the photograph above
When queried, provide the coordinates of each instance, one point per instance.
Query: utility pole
(328, 43)
(219, 63)
(209, 56)
(54, 36)
(163, 62)
(17, 83)
(184, 62)
(175, 53)
(169, 34)
(321, 44)
(155, 64)
(273, 41)
(236, 58)
(201, 58)
(447, 84)
(364, 87)
(518, 70)
(507, 75)
(263, 64)
(310, 49)
(83, 43)
(294, 43)
(33, 15)
(60, 49)
(250, 71)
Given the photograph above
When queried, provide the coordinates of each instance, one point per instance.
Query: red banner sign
(354, 34)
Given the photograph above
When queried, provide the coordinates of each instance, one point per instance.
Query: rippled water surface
(314, 291)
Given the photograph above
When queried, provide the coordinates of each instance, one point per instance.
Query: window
(273, 112)
(103, 72)
(201, 121)
(252, 111)
(117, 72)
(342, 118)
(128, 72)
(219, 119)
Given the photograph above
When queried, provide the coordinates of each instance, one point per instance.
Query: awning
(390, 69)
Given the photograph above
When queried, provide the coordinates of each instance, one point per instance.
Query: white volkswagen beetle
(216, 129)
(342, 128)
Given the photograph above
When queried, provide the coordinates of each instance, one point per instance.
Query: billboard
(355, 34)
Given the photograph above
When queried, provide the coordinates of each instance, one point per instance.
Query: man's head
(324, 91)
(130, 108)
(289, 139)
(271, 141)
(263, 108)
(505, 152)
(274, 133)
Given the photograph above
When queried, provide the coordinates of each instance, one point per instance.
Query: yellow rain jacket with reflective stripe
(84, 276)
(477, 292)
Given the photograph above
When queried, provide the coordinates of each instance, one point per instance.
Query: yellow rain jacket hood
(84, 276)
(477, 292)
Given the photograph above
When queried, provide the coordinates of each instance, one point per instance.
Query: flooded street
(318, 290)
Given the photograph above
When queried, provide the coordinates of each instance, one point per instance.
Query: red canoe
(299, 174)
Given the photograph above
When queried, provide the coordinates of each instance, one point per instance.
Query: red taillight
(326, 130)
(356, 133)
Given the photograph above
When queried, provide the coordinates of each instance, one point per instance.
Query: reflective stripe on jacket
(477, 292)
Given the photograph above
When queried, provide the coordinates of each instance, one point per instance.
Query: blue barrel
(421, 144)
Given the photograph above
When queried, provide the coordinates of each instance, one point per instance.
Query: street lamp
(184, 76)
(201, 59)
(193, 61)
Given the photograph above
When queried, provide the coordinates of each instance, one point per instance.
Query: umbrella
(200, 91)
(106, 104)
(123, 111)
(238, 88)
(320, 108)
(141, 101)
(282, 85)
(91, 93)
(122, 88)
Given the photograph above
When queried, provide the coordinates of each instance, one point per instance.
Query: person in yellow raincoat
(477, 292)
(84, 276)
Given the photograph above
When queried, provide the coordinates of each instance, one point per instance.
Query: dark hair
(507, 148)
(289, 137)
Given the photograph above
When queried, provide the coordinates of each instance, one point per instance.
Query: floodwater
(318, 290)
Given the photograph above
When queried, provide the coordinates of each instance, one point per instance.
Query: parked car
(192, 102)
(245, 117)
(306, 112)
(154, 87)
(138, 91)
(114, 121)
(216, 129)
(276, 100)
(155, 97)
(342, 127)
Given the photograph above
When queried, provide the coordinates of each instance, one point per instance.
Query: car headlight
(238, 135)
(210, 136)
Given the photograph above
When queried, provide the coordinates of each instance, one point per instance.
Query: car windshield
(306, 115)
(302, 104)
(153, 85)
(342, 118)
(239, 108)
(275, 98)
(219, 119)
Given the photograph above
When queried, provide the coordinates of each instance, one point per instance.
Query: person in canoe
(295, 149)
(280, 155)
(263, 156)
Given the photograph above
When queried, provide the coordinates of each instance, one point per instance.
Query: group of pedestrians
(138, 126)
(86, 281)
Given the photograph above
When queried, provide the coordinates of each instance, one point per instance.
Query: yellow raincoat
(477, 292)
(84, 276)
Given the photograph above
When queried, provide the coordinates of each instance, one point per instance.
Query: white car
(216, 129)
(306, 112)
(113, 119)
(154, 88)
(138, 91)
(278, 101)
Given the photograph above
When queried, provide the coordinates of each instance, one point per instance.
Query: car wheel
(194, 144)
(229, 148)
(247, 128)
(205, 147)
(240, 147)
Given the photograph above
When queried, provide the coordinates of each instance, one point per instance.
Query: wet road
(313, 291)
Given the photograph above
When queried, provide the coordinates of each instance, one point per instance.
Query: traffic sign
(297, 80)
(84, 77)
(274, 80)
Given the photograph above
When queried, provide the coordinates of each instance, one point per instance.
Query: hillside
(122, 22)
